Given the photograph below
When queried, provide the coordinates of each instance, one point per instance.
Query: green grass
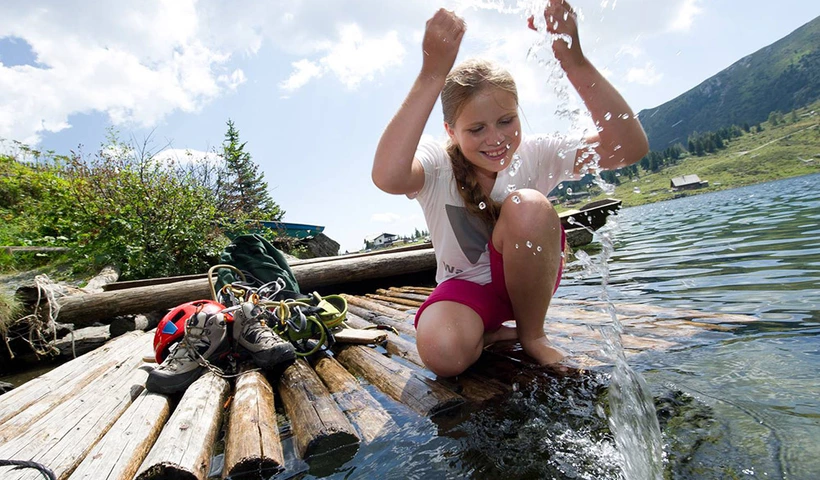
(779, 152)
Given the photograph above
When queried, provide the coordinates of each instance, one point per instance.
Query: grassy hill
(780, 77)
(782, 151)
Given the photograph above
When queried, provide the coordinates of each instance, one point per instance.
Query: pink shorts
(491, 301)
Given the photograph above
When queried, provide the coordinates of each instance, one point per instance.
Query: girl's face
(488, 130)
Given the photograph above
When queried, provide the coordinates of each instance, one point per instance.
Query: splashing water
(633, 420)
(515, 165)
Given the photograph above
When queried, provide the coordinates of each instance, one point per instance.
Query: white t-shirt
(460, 239)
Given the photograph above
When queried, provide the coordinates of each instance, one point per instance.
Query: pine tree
(244, 191)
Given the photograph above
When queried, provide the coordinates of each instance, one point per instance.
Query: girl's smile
(487, 130)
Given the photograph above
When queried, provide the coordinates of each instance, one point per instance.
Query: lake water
(753, 251)
(743, 403)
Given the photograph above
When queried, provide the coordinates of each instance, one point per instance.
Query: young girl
(498, 241)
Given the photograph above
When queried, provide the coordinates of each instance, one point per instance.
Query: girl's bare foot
(541, 350)
(503, 333)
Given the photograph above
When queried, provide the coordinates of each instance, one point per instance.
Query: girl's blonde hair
(463, 83)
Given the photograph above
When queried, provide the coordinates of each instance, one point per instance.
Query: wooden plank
(319, 426)
(409, 387)
(52, 388)
(359, 336)
(183, 449)
(252, 444)
(364, 411)
(121, 451)
(62, 438)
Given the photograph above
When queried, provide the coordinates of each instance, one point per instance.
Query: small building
(385, 239)
(688, 182)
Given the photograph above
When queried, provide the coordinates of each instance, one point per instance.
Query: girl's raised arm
(621, 140)
(395, 169)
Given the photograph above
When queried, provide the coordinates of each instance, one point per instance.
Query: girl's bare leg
(528, 236)
(449, 337)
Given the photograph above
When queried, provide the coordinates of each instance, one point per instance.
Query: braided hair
(463, 83)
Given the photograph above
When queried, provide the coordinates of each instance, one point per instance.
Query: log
(82, 341)
(122, 450)
(471, 385)
(62, 438)
(84, 310)
(183, 449)
(400, 301)
(319, 426)
(252, 444)
(28, 403)
(393, 294)
(409, 387)
(108, 274)
(374, 317)
(128, 323)
(364, 411)
(378, 308)
(395, 344)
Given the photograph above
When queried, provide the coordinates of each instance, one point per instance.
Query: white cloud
(136, 64)
(353, 58)
(303, 71)
(645, 75)
(686, 16)
(385, 217)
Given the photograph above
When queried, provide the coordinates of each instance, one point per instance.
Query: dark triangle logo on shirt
(471, 233)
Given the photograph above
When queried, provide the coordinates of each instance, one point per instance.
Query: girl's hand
(562, 20)
(442, 39)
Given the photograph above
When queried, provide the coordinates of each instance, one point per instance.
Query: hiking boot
(252, 335)
(205, 340)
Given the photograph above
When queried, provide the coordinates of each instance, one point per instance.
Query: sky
(311, 84)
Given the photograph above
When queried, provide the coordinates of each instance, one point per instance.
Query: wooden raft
(91, 418)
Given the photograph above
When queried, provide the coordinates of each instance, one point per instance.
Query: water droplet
(539, 248)
(516, 245)
(569, 191)
(482, 206)
(607, 116)
(502, 161)
(516, 199)
(529, 244)
(515, 165)
(551, 175)
(516, 133)
(510, 188)
(560, 186)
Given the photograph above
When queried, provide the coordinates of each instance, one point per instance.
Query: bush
(150, 217)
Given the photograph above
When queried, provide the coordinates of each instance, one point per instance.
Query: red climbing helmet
(172, 326)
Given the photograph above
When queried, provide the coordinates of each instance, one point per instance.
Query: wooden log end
(261, 467)
(166, 471)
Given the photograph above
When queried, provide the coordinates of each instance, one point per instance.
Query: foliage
(243, 191)
(150, 217)
(33, 200)
(783, 76)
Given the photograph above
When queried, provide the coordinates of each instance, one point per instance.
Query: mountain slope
(782, 76)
